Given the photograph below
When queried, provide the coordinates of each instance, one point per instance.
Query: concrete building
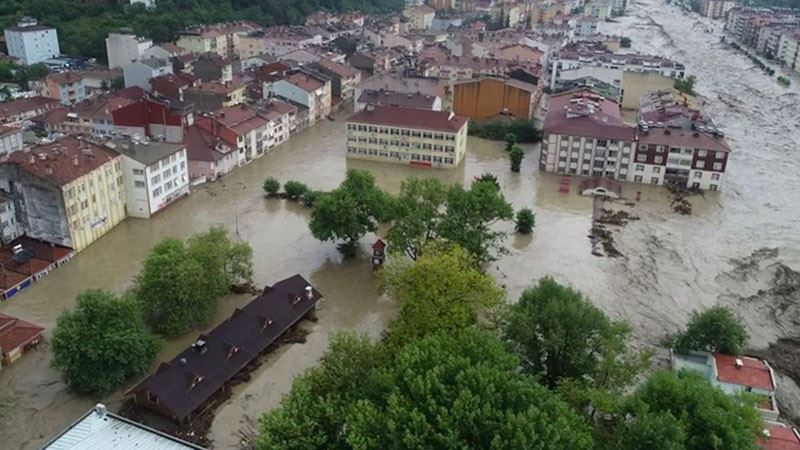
(139, 73)
(420, 17)
(393, 98)
(636, 84)
(281, 40)
(209, 156)
(10, 228)
(717, 9)
(213, 95)
(155, 173)
(490, 98)
(305, 89)
(245, 129)
(407, 136)
(789, 49)
(156, 119)
(124, 48)
(222, 38)
(66, 87)
(601, 9)
(779, 436)
(100, 428)
(16, 337)
(212, 67)
(149, 4)
(344, 78)
(30, 42)
(16, 112)
(10, 140)
(70, 192)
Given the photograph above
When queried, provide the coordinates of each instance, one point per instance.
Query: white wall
(32, 47)
(123, 49)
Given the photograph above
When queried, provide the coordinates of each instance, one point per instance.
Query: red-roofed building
(171, 85)
(17, 336)
(209, 156)
(25, 260)
(245, 129)
(156, 119)
(22, 109)
(311, 90)
(66, 87)
(778, 436)
(407, 136)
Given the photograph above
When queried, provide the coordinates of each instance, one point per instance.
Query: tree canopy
(440, 291)
(561, 336)
(714, 330)
(102, 343)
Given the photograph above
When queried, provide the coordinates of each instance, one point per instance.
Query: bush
(271, 186)
(309, 198)
(783, 81)
(516, 158)
(523, 130)
(625, 42)
(526, 220)
(295, 189)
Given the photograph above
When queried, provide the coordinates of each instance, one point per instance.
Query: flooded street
(728, 251)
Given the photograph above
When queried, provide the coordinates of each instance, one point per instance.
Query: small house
(16, 337)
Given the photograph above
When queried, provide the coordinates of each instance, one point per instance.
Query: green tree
(295, 189)
(271, 186)
(714, 330)
(172, 288)
(686, 85)
(525, 222)
(625, 42)
(561, 336)
(470, 217)
(420, 208)
(648, 431)
(511, 140)
(462, 390)
(710, 418)
(350, 211)
(102, 343)
(309, 198)
(516, 158)
(225, 261)
(440, 291)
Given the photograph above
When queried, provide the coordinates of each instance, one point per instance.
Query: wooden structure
(16, 337)
(378, 253)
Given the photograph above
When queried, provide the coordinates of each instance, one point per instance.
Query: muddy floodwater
(740, 247)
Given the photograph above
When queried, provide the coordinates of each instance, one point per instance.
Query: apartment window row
(401, 132)
(399, 155)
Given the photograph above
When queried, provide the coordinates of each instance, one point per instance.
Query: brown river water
(731, 250)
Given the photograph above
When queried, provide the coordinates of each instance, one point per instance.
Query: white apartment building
(10, 228)
(10, 140)
(30, 42)
(306, 90)
(155, 174)
(789, 50)
(139, 73)
(407, 136)
(124, 48)
(421, 17)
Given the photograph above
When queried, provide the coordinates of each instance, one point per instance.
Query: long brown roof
(410, 118)
(583, 113)
(15, 332)
(63, 161)
(684, 138)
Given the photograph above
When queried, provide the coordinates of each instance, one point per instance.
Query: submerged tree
(516, 155)
(714, 330)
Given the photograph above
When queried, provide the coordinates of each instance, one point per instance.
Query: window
(641, 158)
(660, 149)
(602, 143)
(640, 167)
(701, 153)
(698, 174)
(152, 398)
(701, 163)
(717, 166)
(155, 180)
(138, 172)
(720, 155)
(715, 176)
(637, 178)
(659, 159)
(156, 192)
(695, 185)
(654, 180)
(656, 169)
(712, 187)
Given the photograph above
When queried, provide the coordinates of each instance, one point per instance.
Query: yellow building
(69, 192)
(407, 136)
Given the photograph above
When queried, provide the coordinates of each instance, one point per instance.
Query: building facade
(307, 90)
(124, 48)
(407, 136)
(32, 43)
(10, 140)
(66, 87)
(491, 98)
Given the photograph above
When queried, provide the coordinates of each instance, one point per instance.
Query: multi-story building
(30, 42)
(10, 228)
(66, 87)
(209, 157)
(387, 97)
(139, 73)
(10, 140)
(245, 129)
(745, 24)
(91, 117)
(421, 17)
(716, 9)
(407, 136)
(213, 95)
(344, 78)
(157, 119)
(212, 67)
(310, 90)
(491, 98)
(69, 192)
(222, 39)
(155, 173)
(584, 134)
(601, 9)
(124, 48)
(281, 40)
(20, 110)
(789, 49)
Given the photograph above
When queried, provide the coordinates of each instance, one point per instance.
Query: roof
(201, 145)
(4, 131)
(675, 137)
(216, 87)
(584, 113)
(30, 28)
(305, 81)
(186, 382)
(146, 153)
(392, 98)
(63, 161)
(342, 70)
(21, 105)
(65, 77)
(755, 373)
(15, 333)
(427, 86)
(781, 437)
(102, 430)
(410, 118)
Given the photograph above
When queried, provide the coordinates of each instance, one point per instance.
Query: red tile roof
(305, 82)
(201, 145)
(584, 113)
(64, 77)
(684, 138)
(781, 437)
(410, 118)
(754, 373)
(8, 130)
(56, 162)
(339, 69)
(15, 333)
(23, 105)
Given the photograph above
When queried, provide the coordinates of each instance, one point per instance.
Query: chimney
(75, 161)
(309, 292)
(739, 363)
(100, 410)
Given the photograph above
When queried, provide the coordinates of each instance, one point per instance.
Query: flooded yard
(728, 251)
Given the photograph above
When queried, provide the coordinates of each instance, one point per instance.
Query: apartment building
(717, 9)
(600, 9)
(420, 17)
(789, 49)
(243, 128)
(10, 228)
(156, 174)
(66, 87)
(491, 98)
(387, 97)
(311, 91)
(124, 48)
(139, 73)
(70, 192)
(222, 39)
(10, 140)
(584, 134)
(213, 95)
(156, 119)
(283, 39)
(745, 24)
(344, 78)
(407, 136)
(30, 42)
(209, 157)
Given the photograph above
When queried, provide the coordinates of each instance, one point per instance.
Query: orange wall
(480, 100)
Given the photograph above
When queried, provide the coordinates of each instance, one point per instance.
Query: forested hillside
(83, 25)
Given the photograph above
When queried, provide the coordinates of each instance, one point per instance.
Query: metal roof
(101, 430)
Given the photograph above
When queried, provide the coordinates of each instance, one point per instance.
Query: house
(212, 67)
(10, 140)
(156, 174)
(20, 110)
(16, 337)
(125, 47)
(66, 87)
(209, 157)
(488, 98)
(778, 436)
(157, 119)
(99, 428)
(69, 192)
(414, 100)
(99, 80)
(221, 38)
(242, 128)
(344, 78)
(407, 136)
(421, 17)
(284, 113)
(25, 260)
(733, 374)
(306, 89)
(172, 85)
(178, 389)
(139, 73)
(91, 117)
(30, 42)
(165, 50)
(284, 39)
(213, 95)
